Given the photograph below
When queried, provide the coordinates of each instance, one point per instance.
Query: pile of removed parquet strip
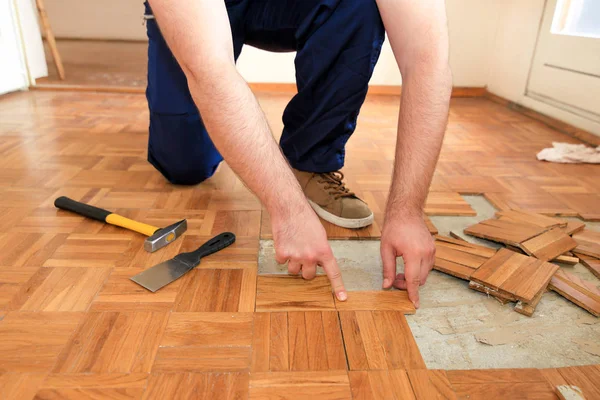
(521, 272)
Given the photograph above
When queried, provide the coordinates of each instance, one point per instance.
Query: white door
(565, 71)
(13, 75)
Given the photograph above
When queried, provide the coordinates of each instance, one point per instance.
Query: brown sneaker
(332, 201)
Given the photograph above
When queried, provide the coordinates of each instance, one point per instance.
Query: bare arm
(418, 34)
(199, 35)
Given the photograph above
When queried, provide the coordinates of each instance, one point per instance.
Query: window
(577, 18)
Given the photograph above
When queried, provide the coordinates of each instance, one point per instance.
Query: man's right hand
(301, 241)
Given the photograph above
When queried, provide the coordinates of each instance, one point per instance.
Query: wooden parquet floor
(73, 326)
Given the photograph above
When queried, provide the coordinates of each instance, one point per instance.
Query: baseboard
(88, 88)
(382, 90)
(554, 123)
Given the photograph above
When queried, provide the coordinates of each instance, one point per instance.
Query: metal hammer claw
(157, 237)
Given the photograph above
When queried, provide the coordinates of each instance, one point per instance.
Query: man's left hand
(409, 238)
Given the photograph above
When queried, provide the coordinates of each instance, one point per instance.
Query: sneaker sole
(352, 223)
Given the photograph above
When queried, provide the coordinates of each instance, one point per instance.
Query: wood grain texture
(549, 245)
(297, 341)
(586, 377)
(591, 263)
(380, 385)
(113, 342)
(333, 385)
(585, 294)
(394, 300)
(446, 203)
(202, 290)
(528, 309)
(24, 349)
(431, 384)
(588, 243)
(532, 218)
(289, 293)
(504, 231)
(20, 386)
(464, 246)
(377, 340)
(205, 386)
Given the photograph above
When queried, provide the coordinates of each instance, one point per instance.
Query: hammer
(157, 237)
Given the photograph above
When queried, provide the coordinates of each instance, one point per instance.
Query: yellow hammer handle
(145, 229)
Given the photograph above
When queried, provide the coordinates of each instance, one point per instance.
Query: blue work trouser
(337, 42)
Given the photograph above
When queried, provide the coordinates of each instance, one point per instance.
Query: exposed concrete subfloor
(458, 328)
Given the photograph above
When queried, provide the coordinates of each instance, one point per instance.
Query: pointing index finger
(332, 270)
(412, 270)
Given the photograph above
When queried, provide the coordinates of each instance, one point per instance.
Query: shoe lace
(334, 184)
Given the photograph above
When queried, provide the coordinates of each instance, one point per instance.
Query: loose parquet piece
(297, 341)
(32, 341)
(220, 386)
(445, 251)
(447, 203)
(292, 293)
(528, 309)
(566, 260)
(454, 269)
(431, 384)
(518, 275)
(585, 294)
(394, 300)
(588, 243)
(463, 245)
(380, 385)
(504, 231)
(502, 297)
(531, 218)
(549, 244)
(573, 227)
(591, 263)
(113, 342)
(329, 385)
(379, 340)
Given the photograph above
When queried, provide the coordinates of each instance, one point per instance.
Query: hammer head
(164, 236)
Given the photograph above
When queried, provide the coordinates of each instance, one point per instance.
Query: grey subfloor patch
(458, 328)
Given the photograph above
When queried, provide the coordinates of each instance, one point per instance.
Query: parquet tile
(113, 342)
(377, 340)
(392, 300)
(11, 281)
(431, 384)
(20, 386)
(292, 293)
(591, 263)
(540, 203)
(297, 341)
(515, 274)
(586, 205)
(95, 386)
(588, 243)
(585, 294)
(573, 227)
(60, 289)
(333, 385)
(504, 231)
(549, 244)
(587, 378)
(531, 218)
(380, 385)
(24, 348)
(447, 203)
(205, 342)
(204, 386)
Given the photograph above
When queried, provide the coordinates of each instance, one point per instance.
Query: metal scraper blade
(161, 274)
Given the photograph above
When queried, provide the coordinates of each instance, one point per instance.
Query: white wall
(13, 75)
(30, 30)
(472, 26)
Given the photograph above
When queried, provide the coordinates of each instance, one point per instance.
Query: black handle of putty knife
(217, 243)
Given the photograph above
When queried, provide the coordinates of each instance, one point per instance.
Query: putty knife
(168, 271)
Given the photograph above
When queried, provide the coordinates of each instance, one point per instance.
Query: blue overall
(337, 42)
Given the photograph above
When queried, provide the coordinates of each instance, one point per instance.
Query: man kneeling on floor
(202, 110)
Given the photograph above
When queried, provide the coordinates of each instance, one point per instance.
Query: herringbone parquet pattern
(72, 324)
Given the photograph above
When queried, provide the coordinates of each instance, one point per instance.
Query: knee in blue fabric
(180, 148)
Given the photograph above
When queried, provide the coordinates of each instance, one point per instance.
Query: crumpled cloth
(570, 153)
